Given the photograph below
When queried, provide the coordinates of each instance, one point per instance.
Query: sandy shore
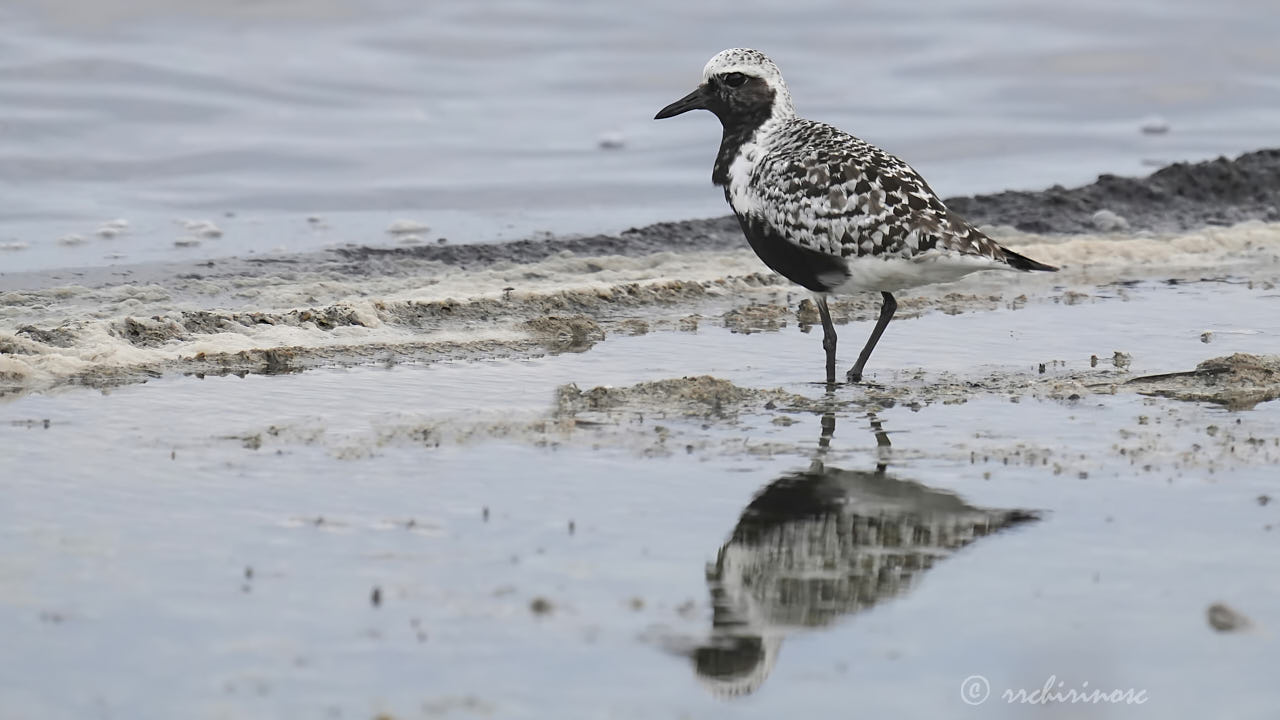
(354, 305)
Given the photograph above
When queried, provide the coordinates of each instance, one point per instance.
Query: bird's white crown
(753, 63)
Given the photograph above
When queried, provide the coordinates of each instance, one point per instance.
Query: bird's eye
(735, 79)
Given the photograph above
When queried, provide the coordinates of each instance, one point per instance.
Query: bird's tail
(1022, 262)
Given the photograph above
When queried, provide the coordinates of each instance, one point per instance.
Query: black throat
(750, 107)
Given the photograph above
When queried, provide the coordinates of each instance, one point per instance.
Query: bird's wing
(841, 196)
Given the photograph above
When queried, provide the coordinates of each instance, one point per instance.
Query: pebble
(406, 227)
(1154, 125)
(202, 228)
(1226, 619)
(1108, 221)
(612, 140)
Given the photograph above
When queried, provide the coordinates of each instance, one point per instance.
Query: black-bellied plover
(825, 209)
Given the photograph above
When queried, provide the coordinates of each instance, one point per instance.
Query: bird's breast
(740, 191)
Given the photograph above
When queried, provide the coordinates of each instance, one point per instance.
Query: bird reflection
(815, 546)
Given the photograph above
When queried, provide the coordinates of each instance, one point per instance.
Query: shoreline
(1178, 197)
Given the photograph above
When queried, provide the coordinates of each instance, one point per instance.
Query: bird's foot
(856, 379)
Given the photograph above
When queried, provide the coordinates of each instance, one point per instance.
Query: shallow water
(484, 122)
(219, 554)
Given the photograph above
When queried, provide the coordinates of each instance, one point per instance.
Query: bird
(826, 210)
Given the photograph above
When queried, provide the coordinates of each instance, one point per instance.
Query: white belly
(897, 273)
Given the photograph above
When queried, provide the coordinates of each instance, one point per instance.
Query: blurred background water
(488, 120)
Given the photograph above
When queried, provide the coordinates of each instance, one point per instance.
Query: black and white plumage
(824, 209)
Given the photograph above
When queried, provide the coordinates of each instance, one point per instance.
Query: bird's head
(738, 85)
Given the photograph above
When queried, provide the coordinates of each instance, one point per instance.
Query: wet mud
(1239, 382)
(1181, 196)
(695, 396)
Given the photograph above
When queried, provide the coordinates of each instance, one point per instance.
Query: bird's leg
(886, 314)
(828, 338)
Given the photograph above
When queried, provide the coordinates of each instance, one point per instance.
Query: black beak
(696, 100)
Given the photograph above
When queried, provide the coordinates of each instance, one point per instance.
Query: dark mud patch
(531, 307)
(701, 396)
(294, 359)
(157, 330)
(1225, 619)
(756, 318)
(1182, 196)
(919, 388)
(148, 332)
(634, 327)
(61, 336)
(714, 234)
(324, 318)
(1237, 381)
(19, 346)
(575, 333)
